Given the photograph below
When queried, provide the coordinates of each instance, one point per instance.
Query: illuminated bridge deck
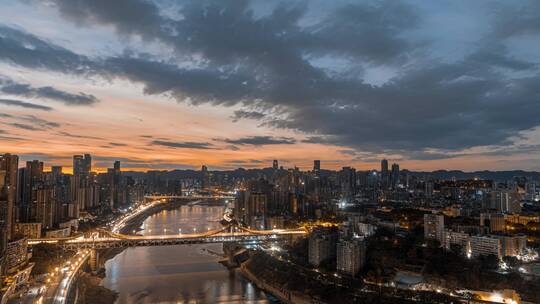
(111, 240)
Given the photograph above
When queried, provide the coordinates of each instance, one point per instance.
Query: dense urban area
(381, 236)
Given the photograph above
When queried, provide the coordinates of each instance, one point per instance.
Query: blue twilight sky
(177, 84)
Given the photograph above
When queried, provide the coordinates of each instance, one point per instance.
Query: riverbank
(281, 293)
(91, 290)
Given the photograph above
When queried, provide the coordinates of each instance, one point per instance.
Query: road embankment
(282, 294)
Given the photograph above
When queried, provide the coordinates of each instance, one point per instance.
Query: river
(178, 274)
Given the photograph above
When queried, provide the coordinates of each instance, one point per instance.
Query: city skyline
(255, 151)
(442, 85)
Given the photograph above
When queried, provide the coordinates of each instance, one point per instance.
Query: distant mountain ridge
(438, 174)
(491, 175)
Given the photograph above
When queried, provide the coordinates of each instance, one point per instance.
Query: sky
(164, 84)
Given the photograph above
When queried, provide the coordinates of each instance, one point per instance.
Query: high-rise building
(434, 227)
(530, 191)
(31, 179)
(117, 189)
(16, 255)
(80, 183)
(317, 166)
(495, 221)
(506, 201)
(82, 164)
(351, 256)
(322, 246)
(395, 176)
(486, 245)
(347, 180)
(56, 172)
(384, 173)
(513, 245)
(46, 207)
(8, 192)
(428, 189)
(384, 166)
(205, 185)
(456, 238)
(275, 164)
(28, 230)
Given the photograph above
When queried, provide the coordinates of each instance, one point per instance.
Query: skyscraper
(82, 164)
(31, 179)
(506, 201)
(384, 166)
(351, 256)
(395, 176)
(317, 166)
(384, 173)
(205, 185)
(56, 171)
(275, 164)
(434, 227)
(116, 188)
(8, 191)
(347, 180)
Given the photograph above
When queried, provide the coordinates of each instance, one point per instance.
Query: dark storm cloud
(13, 88)
(261, 141)
(518, 18)
(24, 49)
(183, 145)
(129, 17)
(241, 114)
(367, 31)
(268, 62)
(497, 56)
(24, 104)
(194, 85)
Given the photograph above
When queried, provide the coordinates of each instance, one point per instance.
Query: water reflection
(178, 274)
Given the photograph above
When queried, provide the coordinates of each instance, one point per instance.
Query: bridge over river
(232, 232)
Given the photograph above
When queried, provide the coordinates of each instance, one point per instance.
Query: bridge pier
(93, 261)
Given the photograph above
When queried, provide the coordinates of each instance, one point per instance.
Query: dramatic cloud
(261, 141)
(24, 104)
(24, 49)
(241, 114)
(10, 87)
(25, 127)
(30, 122)
(183, 145)
(311, 70)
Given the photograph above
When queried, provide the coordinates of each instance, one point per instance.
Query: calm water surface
(178, 274)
